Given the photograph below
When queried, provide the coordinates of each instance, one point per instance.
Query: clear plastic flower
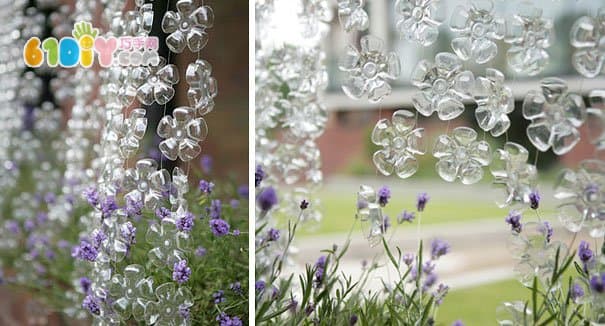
(187, 26)
(587, 36)
(582, 196)
(30, 88)
(128, 132)
(146, 183)
(156, 82)
(168, 243)
(555, 115)
(512, 313)
(314, 17)
(179, 186)
(370, 211)
(182, 133)
(202, 86)
(443, 86)
(369, 70)
(132, 292)
(511, 170)
(534, 252)
(596, 118)
(461, 156)
(400, 141)
(494, 102)
(352, 16)
(167, 309)
(304, 118)
(419, 20)
(529, 35)
(477, 30)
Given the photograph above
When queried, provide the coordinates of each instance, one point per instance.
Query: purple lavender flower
(206, 187)
(259, 286)
(134, 207)
(406, 216)
(91, 304)
(236, 232)
(181, 272)
(272, 234)
(85, 283)
(292, 305)
(42, 218)
(92, 196)
(428, 267)
(408, 258)
(200, 251)
(50, 198)
(585, 254)
(98, 236)
(185, 222)
(361, 204)
(421, 201)
(458, 323)
(218, 296)
(320, 267)
(1, 276)
(184, 312)
(576, 292)
(353, 320)
(12, 226)
(304, 204)
(309, 309)
(259, 175)
(162, 213)
(234, 203)
(384, 193)
(439, 248)
(224, 320)
(267, 199)
(86, 251)
(206, 163)
(29, 225)
(215, 209)
(429, 281)
(440, 293)
(128, 233)
(236, 288)
(597, 283)
(534, 199)
(514, 219)
(219, 227)
(243, 191)
(108, 206)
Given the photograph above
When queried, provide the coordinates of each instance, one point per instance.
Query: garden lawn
(476, 306)
(339, 212)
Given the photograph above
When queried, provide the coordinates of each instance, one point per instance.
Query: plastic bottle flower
(167, 310)
(588, 36)
(400, 142)
(48, 118)
(128, 132)
(419, 20)
(314, 17)
(187, 26)
(476, 29)
(582, 193)
(529, 35)
(132, 292)
(443, 86)
(179, 186)
(156, 82)
(352, 16)
(202, 86)
(369, 210)
(534, 252)
(513, 313)
(461, 156)
(168, 243)
(182, 134)
(494, 102)
(369, 70)
(511, 170)
(596, 118)
(555, 116)
(146, 182)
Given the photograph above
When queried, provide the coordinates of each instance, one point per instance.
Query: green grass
(477, 305)
(339, 212)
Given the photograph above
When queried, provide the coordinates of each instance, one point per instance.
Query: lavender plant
(323, 293)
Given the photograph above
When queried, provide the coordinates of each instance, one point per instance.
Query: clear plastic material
(202, 86)
(369, 212)
(461, 156)
(182, 134)
(352, 16)
(419, 20)
(187, 26)
(587, 36)
(494, 102)
(511, 171)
